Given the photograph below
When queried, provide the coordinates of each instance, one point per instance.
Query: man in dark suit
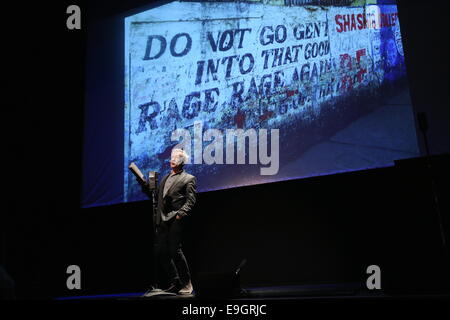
(176, 196)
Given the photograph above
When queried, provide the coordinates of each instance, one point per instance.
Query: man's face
(174, 161)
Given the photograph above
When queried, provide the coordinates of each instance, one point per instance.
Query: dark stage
(303, 240)
(312, 293)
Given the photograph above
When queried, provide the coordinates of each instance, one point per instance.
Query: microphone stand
(423, 125)
(154, 288)
(151, 186)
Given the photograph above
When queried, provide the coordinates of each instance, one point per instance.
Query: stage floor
(299, 292)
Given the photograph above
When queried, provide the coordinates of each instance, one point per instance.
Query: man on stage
(176, 196)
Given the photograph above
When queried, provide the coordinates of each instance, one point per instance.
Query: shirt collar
(174, 174)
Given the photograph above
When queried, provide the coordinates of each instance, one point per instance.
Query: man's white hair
(180, 156)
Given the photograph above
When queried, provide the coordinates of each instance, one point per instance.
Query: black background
(338, 226)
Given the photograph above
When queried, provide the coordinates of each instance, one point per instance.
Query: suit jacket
(179, 199)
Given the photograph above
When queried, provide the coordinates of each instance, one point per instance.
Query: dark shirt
(169, 182)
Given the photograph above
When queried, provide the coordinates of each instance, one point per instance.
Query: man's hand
(178, 217)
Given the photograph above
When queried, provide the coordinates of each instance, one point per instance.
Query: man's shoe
(153, 292)
(173, 288)
(187, 289)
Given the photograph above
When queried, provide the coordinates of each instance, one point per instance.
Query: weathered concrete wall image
(326, 77)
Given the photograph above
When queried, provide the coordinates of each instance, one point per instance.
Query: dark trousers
(169, 251)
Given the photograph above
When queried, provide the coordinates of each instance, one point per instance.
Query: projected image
(259, 91)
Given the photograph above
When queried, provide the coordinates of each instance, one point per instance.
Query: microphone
(152, 180)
